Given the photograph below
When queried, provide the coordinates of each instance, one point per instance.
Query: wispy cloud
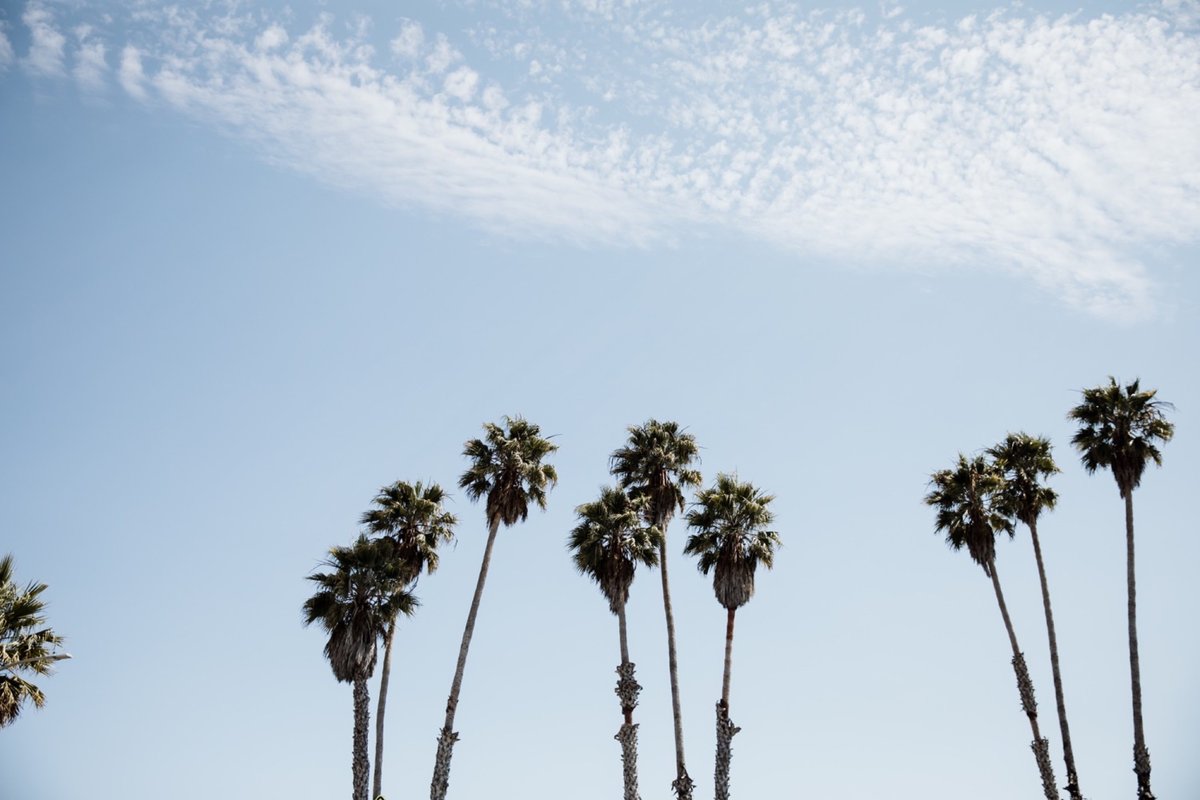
(1057, 148)
(46, 42)
(90, 67)
(6, 50)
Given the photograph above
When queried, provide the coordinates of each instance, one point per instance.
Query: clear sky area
(259, 260)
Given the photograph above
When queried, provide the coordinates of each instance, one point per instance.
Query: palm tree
(507, 470)
(964, 498)
(656, 464)
(412, 523)
(354, 603)
(1119, 428)
(1025, 461)
(607, 545)
(731, 539)
(26, 645)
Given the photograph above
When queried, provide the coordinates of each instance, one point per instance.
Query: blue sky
(260, 260)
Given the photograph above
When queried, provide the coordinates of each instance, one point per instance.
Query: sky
(259, 260)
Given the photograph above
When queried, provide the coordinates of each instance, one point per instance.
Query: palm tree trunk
(1040, 746)
(726, 730)
(683, 783)
(377, 789)
(1068, 754)
(447, 737)
(627, 691)
(362, 719)
(1141, 756)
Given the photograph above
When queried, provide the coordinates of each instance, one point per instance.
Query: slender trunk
(1141, 756)
(1040, 746)
(377, 788)
(726, 730)
(362, 720)
(1068, 754)
(627, 691)
(447, 737)
(683, 783)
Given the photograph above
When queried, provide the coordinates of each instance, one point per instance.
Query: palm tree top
(1024, 461)
(657, 463)
(610, 541)
(506, 468)
(731, 537)
(964, 498)
(411, 516)
(26, 644)
(1118, 428)
(355, 602)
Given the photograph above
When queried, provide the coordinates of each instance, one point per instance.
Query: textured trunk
(1068, 754)
(683, 783)
(1141, 756)
(447, 737)
(362, 719)
(627, 691)
(377, 788)
(726, 730)
(1041, 747)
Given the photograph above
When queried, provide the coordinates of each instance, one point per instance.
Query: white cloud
(130, 73)
(1057, 149)
(6, 51)
(90, 66)
(46, 42)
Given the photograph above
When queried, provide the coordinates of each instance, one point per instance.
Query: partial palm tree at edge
(26, 645)
(1118, 428)
(507, 470)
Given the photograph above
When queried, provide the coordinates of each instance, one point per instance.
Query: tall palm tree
(607, 545)
(964, 498)
(1119, 428)
(26, 644)
(412, 522)
(507, 470)
(354, 602)
(1025, 461)
(656, 463)
(731, 539)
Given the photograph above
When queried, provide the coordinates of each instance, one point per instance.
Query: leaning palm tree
(354, 602)
(607, 545)
(412, 522)
(731, 539)
(507, 471)
(1025, 461)
(656, 463)
(26, 644)
(964, 498)
(1119, 428)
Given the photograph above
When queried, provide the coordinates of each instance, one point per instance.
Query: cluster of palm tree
(984, 496)
(27, 645)
(367, 585)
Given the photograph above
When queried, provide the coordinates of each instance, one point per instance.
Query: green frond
(27, 645)
(731, 537)
(964, 498)
(610, 541)
(1024, 461)
(657, 463)
(1119, 429)
(508, 471)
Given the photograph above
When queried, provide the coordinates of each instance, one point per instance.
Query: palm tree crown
(731, 537)
(26, 645)
(963, 497)
(610, 541)
(656, 463)
(354, 603)
(411, 517)
(507, 469)
(1024, 461)
(1118, 429)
